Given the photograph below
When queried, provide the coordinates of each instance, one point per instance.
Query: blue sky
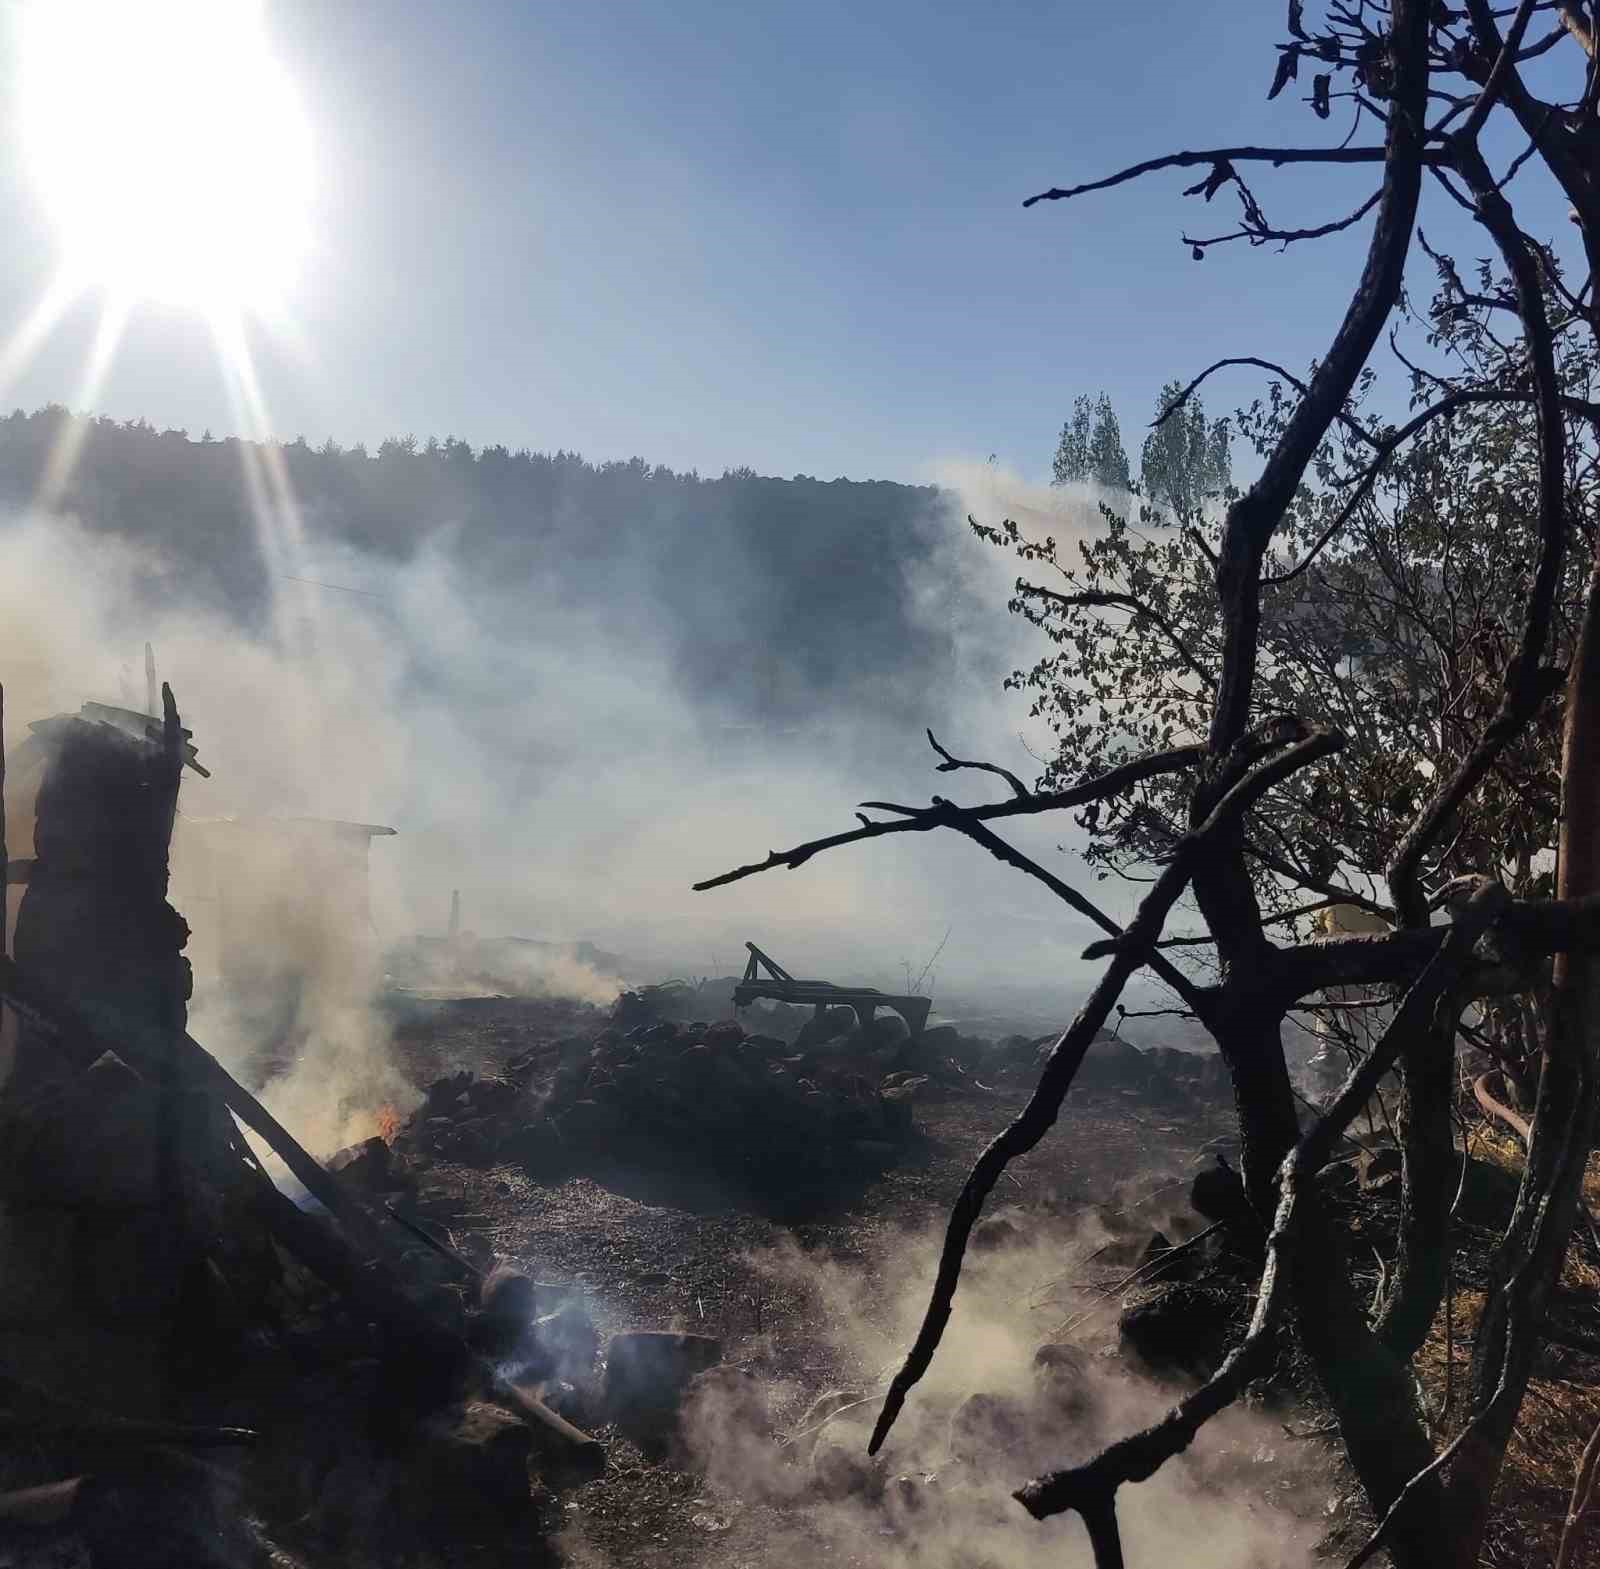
(784, 235)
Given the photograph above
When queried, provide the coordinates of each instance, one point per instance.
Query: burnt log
(555, 1440)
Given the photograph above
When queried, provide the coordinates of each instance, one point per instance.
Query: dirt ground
(647, 1249)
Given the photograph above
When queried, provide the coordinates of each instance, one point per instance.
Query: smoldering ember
(1175, 1145)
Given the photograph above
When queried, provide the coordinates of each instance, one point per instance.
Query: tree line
(789, 600)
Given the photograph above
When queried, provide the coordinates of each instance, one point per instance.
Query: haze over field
(578, 687)
(574, 690)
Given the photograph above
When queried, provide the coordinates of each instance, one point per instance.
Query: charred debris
(217, 1349)
(161, 1292)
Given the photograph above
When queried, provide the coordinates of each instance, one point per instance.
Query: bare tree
(1231, 753)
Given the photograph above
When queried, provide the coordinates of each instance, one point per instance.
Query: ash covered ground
(812, 1286)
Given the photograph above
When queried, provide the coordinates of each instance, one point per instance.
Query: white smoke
(939, 1495)
(539, 756)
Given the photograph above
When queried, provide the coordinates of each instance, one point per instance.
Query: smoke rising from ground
(939, 1496)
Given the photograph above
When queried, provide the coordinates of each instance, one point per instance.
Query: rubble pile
(749, 1101)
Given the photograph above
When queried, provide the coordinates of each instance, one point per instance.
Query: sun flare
(169, 148)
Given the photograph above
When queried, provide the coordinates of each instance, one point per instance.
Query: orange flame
(388, 1123)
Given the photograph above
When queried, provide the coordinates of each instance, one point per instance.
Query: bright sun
(169, 148)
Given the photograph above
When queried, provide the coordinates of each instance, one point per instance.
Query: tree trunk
(1248, 1038)
(1369, 1388)
(1372, 1393)
(1248, 1034)
(1427, 1142)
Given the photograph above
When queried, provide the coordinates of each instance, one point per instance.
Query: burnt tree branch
(921, 819)
(1196, 999)
(1348, 420)
(1276, 156)
(1261, 233)
(1549, 1198)
(1390, 444)
(1255, 516)
(1426, 1136)
(1061, 1067)
(952, 764)
(1499, 75)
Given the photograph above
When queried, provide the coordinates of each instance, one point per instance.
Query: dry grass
(1558, 1415)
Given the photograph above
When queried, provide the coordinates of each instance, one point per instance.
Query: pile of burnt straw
(836, 1096)
(749, 1099)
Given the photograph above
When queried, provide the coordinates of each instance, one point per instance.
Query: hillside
(777, 598)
